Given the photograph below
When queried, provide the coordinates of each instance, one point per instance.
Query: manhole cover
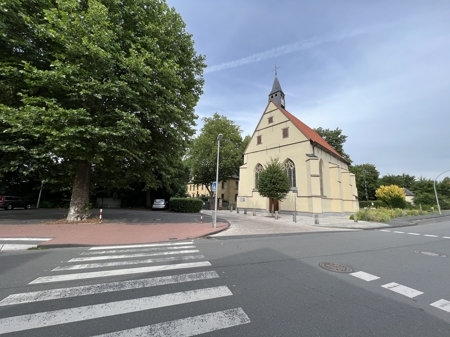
(430, 253)
(336, 267)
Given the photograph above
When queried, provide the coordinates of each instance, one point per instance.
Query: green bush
(376, 204)
(185, 205)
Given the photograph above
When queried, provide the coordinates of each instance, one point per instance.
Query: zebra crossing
(181, 259)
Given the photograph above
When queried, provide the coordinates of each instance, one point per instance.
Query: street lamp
(219, 137)
(435, 193)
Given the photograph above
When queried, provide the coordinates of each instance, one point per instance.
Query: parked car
(9, 202)
(159, 204)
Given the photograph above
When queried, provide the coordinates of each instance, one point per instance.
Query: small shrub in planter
(186, 205)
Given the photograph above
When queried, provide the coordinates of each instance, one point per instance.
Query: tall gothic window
(290, 170)
(258, 170)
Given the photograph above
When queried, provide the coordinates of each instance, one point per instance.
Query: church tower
(277, 94)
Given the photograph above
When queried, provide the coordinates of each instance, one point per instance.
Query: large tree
(104, 89)
(336, 139)
(202, 156)
(273, 181)
(366, 180)
(404, 180)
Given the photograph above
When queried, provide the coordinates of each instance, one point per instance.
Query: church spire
(277, 94)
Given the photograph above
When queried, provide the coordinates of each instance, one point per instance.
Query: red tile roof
(309, 133)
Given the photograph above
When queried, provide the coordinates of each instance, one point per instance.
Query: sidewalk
(264, 224)
(89, 234)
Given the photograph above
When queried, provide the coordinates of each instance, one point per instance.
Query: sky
(378, 70)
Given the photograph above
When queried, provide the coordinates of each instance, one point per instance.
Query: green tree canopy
(202, 155)
(273, 181)
(105, 89)
(404, 180)
(366, 179)
(336, 139)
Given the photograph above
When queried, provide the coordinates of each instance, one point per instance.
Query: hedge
(186, 205)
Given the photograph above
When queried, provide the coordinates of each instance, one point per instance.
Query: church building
(321, 182)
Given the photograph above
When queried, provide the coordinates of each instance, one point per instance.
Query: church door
(273, 205)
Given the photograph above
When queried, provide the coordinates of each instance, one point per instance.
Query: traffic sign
(213, 186)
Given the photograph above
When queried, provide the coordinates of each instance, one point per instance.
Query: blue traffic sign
(213, 186)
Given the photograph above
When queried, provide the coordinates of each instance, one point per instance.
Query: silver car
(159, 204)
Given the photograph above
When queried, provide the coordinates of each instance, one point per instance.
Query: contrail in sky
(289, 48)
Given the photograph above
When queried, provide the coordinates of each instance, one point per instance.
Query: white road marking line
(127, 271)
(16, 246)
(384, 230)
(414, 233)
(143, 245)
(127, 263)
(405, 291)
(64, 316)
(431, 236)
(135, 250)
(101, 288)
(25, 239)
(398, 232)
(442, 304)
(112, 257)
(191, 326)
(446, 237)
(365, 276)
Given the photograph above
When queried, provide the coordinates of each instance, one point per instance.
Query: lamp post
(435, 193)
(219, 137)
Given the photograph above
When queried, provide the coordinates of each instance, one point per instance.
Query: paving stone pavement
(264, 223)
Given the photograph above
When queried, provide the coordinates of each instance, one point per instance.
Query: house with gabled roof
(321, 182)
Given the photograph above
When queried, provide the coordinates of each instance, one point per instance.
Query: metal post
(101, 215)
(39, 198)
(219, 137)
(295, 205)
(435, 193)
(254, 212)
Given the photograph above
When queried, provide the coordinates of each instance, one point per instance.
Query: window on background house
(270, 119)
(222, 196)
(258, 170)
(235, 197)
(258, 140)
(290, 170)
(236, 185)
(285, 132)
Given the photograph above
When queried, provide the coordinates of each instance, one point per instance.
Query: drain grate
(430, 253)
(335, 267)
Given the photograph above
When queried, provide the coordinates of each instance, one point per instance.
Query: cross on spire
(275, 70)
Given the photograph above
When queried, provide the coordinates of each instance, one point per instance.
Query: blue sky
(378, 70)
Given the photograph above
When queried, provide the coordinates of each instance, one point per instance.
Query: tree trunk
(79, 202)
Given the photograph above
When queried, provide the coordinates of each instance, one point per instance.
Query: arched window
(290, 170)
(258, 169)
(321, 177)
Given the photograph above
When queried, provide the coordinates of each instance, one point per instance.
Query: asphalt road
(271, 286)
(119, 215)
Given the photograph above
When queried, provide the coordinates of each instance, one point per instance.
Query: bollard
(231, 208)
(254, 212)
(316, 219)
(294, 217)
(276, 215)
(245, 210)
(237, 209)
(355, 217)
(100, 217)
(201, 217)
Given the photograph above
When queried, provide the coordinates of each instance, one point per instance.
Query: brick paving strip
(110, 233)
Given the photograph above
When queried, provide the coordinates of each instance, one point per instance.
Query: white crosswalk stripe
(110, 257)
(127, 263)
(200, 323)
